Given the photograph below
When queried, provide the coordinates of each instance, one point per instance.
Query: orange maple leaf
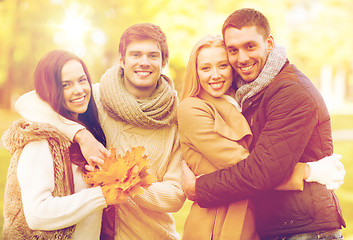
(122, 176)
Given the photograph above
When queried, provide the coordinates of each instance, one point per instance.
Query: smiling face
(247, 50)
(76, 88)
(214, 71)
(142, 67)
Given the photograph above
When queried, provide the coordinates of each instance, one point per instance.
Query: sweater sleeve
(34, 109)
(36, 179)
(166, 195)
(290, 121)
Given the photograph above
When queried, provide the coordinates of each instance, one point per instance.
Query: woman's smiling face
(76, 88)
(214, 71)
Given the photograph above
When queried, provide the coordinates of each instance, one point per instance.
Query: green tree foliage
(315, 33)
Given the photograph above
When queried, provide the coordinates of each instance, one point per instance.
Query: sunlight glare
(72, 31)
(75, 26)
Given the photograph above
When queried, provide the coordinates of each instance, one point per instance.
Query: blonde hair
(191, 84)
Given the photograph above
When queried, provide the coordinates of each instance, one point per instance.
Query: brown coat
(14, 139)
(214, 135)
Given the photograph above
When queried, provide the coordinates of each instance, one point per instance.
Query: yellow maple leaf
(122, 176)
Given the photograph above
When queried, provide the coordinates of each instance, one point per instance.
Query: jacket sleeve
(291, 116)
(208, 143)
(36, 179)
(166, 195)
(34, 109)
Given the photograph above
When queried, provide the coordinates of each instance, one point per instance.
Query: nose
(243, 57)
(215, 74)
(144, 61)
(78, 89)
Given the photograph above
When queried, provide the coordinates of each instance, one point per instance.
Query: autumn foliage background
(317, 34)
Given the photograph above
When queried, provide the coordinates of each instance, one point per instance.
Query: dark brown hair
(48, 85)
(143, 31)
(246, 17)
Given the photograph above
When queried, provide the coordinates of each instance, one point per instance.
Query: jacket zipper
(214, 224)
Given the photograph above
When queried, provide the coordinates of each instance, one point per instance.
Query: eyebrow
(70, 80)
(139, 51)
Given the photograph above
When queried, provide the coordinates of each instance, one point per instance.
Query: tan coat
(214, 135)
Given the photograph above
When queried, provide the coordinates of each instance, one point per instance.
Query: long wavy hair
(49, 87)
(191, 84)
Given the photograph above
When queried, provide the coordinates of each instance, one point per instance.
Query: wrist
(313, 174)
(81, 135)
(307, 171)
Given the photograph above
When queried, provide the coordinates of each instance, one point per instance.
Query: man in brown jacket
(290, 123)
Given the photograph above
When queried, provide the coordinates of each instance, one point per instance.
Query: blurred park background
(317, 34)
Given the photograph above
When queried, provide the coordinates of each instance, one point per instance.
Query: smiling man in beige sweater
(137, 107)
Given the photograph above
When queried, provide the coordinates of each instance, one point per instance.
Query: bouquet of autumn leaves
(124, 176)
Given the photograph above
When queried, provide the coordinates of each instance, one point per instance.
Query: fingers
(188, 182)
(338, 178)
(334, 186)
(89, 168)
(105, 152)
(184, 165)
(96, 160)
(336, 156)
(339, 165)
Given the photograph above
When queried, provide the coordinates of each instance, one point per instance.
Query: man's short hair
(247, 17)
(144, 31)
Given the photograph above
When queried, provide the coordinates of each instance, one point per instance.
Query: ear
(270, 43)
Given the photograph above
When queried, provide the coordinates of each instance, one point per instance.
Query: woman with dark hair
(45, 195)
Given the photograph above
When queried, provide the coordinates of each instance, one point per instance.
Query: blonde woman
(215, 135)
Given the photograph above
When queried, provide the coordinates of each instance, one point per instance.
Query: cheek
(232, 60)
(158, 65)
(203, 77)
(88, 90)
(66, 95)
(228, 73)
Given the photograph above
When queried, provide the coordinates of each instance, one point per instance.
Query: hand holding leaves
(120, 177)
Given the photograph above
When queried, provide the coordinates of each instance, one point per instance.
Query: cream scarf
(155, 111)
(274, 63)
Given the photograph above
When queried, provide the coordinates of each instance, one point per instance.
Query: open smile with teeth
(216, 85)
(143, 74)
(247, 68)
(78, 100)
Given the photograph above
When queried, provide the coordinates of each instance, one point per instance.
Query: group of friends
(248, 140)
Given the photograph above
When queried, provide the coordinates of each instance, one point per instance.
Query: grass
(345, 193)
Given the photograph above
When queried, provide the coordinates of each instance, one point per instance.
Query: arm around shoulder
(32, 108)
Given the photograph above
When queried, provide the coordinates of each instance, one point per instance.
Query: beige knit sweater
(147, 216)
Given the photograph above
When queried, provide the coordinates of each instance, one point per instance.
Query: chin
(248, 79)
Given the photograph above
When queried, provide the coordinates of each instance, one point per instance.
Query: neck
(138, 92)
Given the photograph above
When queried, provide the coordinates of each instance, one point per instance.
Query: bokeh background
(318, 36)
